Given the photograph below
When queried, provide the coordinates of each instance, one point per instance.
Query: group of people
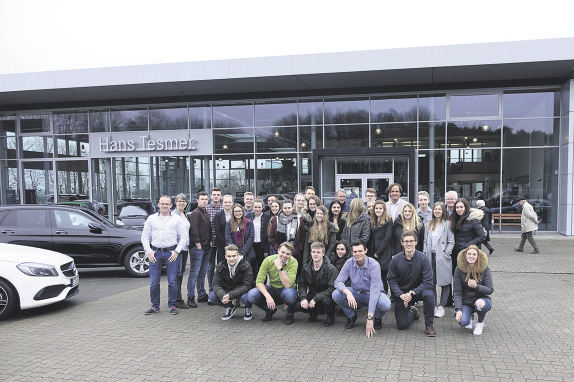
(312, 259)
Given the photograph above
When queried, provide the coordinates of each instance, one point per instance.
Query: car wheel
(8, 299)
(136, 262)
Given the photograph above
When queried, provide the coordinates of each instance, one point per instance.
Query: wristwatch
(370, 318)
(281, 269)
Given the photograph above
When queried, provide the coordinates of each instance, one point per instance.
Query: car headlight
(37, 269)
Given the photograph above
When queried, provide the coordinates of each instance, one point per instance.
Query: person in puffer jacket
(467, 227)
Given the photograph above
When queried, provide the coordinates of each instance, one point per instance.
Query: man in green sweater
(282, 270)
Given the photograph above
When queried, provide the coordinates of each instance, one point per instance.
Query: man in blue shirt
(411, 279)
(366, 289)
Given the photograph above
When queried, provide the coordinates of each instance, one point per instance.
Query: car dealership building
(491, 121)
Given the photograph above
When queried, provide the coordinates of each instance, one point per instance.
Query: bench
(506, 219)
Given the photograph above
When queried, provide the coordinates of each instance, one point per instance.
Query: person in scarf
(232, 279)
(288, 227)
(239, 231)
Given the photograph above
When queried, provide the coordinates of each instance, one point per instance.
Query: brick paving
(528, 336)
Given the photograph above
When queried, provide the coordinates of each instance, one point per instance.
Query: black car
(91, 240)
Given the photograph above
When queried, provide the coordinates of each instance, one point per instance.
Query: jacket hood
(463, 265)
(475, 214)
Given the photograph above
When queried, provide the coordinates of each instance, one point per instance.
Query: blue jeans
(216, 301)
(404, 315)
(280, 296)
(468, 310)
(198, 259)
(211, 268)
(183, 255)
(383, 303)
(161, 258)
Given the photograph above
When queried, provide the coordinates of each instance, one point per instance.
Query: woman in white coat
(438, 245)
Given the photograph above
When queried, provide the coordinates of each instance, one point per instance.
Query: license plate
(75, 281)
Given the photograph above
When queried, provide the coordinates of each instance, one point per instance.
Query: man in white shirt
(160, 241)
(395, 204)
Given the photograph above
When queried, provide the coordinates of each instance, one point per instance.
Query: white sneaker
(439, 311)
(229, 312)
(478, 328)
(248, 314)
(469, 326)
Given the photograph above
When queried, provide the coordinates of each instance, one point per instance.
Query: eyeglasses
(409, 241)
(182, 201)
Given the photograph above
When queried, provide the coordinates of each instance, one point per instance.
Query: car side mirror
(96, 228)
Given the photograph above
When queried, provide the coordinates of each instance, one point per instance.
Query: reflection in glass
(432, 107)
(532, 174)
(401, 174)
(233, 141)
(310, 137)
(394, 135)
(235, 174)
(306, 170)
(432, 135)
(38, 181)
(99, 121)
(523, 104)
(233, 116)
(474, 134)
(472, 106)
(345, 112)
(7, 125)
(346, 136)
(73, 177)
(276, 139)
(73, 145)
(38, 147)
(9, 185)
(310, 113)
(30, 124)
(129, 120)
(70, 122)
(473, 174)
(531, 132)
(170, 176)
(365, 165)
(276, 174)
(132, 177)
(399, 109)
(173, 118)
(8, 147)
(431, 173)
(102, 180)
(200, 117)
(276, 114)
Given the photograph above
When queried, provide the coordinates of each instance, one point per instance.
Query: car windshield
(139, 210)
(101, 219)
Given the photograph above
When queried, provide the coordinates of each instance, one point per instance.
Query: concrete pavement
(528, 336)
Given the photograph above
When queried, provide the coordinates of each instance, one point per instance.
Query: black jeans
(327, 304)
(404, 316)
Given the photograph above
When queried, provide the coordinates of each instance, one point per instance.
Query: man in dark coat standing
(486, 219)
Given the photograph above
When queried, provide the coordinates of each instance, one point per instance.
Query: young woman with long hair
(438, 246)
(341, 255)
(274, 209)
(239, 231)
(466, 225)
(381, 237)
(357, 226)
(337, 217)
(408, 220)
(322, 231)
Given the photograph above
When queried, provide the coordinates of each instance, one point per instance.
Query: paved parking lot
(528, 336)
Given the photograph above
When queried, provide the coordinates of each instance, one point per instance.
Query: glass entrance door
(355, 185)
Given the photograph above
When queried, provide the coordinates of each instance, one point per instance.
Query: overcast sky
(43, 35)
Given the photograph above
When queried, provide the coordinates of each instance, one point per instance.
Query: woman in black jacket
(380, 240)
(337, 217)
(466, 225)
(408, 220)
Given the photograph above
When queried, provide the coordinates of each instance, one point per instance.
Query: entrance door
(356, 184)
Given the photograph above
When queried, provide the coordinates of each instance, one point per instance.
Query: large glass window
(531, 132)
(347, 111)
(310, 112)
(37, 147)
(7, 125)
(132, 177)
(102, 180)
(10, 187)
(310, 137)
(346, 136)
(276, 174)
(233, 116)
(73, 122)
(528, 104)
(397, 109)
(235, 174)
(99, 121)
(73, 145)
(38, 181)
(173, 118)
(474, 134)
(129, 120)
(431, 173)
(276, 114)
(274, 139)
(170, 176)
(35, 124)
(73, 177)
(394, 135)
(432, 135)
(200, 117)
(432, 107)
(238, 140)
(473, 106)
(530, 173)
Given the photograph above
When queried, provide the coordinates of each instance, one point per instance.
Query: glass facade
(495, 145)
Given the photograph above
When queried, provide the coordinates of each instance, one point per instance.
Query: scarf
(287, 224)
(233, 269)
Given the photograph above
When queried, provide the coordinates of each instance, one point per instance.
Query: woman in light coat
(438, 246)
